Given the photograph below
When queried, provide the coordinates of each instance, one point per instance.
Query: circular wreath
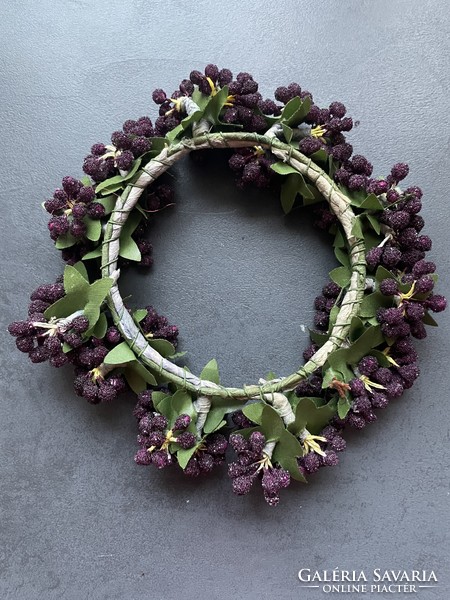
(361, 355)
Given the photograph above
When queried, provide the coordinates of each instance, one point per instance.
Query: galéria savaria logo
(377, 581)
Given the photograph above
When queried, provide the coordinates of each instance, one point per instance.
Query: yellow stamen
(149, 335)
(386, 352)
(368, 384)
(258, 151)
(408, 295)
(310, 444)
(264, 463)
(212, 86)
(318, 131)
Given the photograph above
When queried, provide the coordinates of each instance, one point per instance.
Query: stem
(339, 205)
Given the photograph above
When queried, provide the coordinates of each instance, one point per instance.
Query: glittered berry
(389, 287)
(142, 457)
(368, 365)
(186, 440)
(436, 303)
(182, 422)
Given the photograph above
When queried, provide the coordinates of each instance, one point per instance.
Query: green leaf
(291, 465)
(254, 412)
(215, 105)
(374, 223)
(211, 372)
(184, 456)
(165, 408)
(295, 111)
(283, 168)
(201, 100)
(312, 417)
(96, 253)
(182, 404)
(428, 320)
(341, 276)
(383, 273)
(287, 132)
(108, 202)
(357, 229)
(74, 281)
(318, 337)
(93, 229)
(157, 397)
(343, 407)
(286, 451)
(372, 302)
(371, 202)
(85, 180)
(65, 241)
(120, 355)
(164, 347)
(320, 156)
(288, 195)
(141, 371)
(128, 247)
(99, 329)
(342, 257)
(271, 423)
(66, 306)
(118, 181)
(79, 266)
(66, 347)
(140, 314)
(214, 419)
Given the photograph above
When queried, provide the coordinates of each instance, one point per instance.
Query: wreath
(361, 354)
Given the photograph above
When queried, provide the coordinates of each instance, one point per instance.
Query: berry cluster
(157, 326)
(252, 166)
(156, 438)
(133, 141)
(253, 462)
(70, 206)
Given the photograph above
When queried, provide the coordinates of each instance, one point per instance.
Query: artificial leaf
(371, 202)
(139, 369)
(201, 100)
(215, 105)
(99, 329)
(118, 181)
(157, 397)
(164, 347)
(74, 281)
(357, 229)
(129, 249)
(372, 302)
(374, 223)
(182, 404)
(96, 253)
(318, 337)
(140, 314)
(341, 276)
(184, 455)
(79, 266)
(214, 419)
(254, 412)
(210, 372)
(65, 241)
(383, 273)
(343, 407)
(283, 168)
(428, 320)
(108, 202)
(271, 423)
(291, 465)
(120, 355)
(287, 132)
(312, 417)
(93, 229)
(289, 189)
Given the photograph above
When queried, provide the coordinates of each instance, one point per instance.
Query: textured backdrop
(79, 519)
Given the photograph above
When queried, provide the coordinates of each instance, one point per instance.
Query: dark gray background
(80, 519)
